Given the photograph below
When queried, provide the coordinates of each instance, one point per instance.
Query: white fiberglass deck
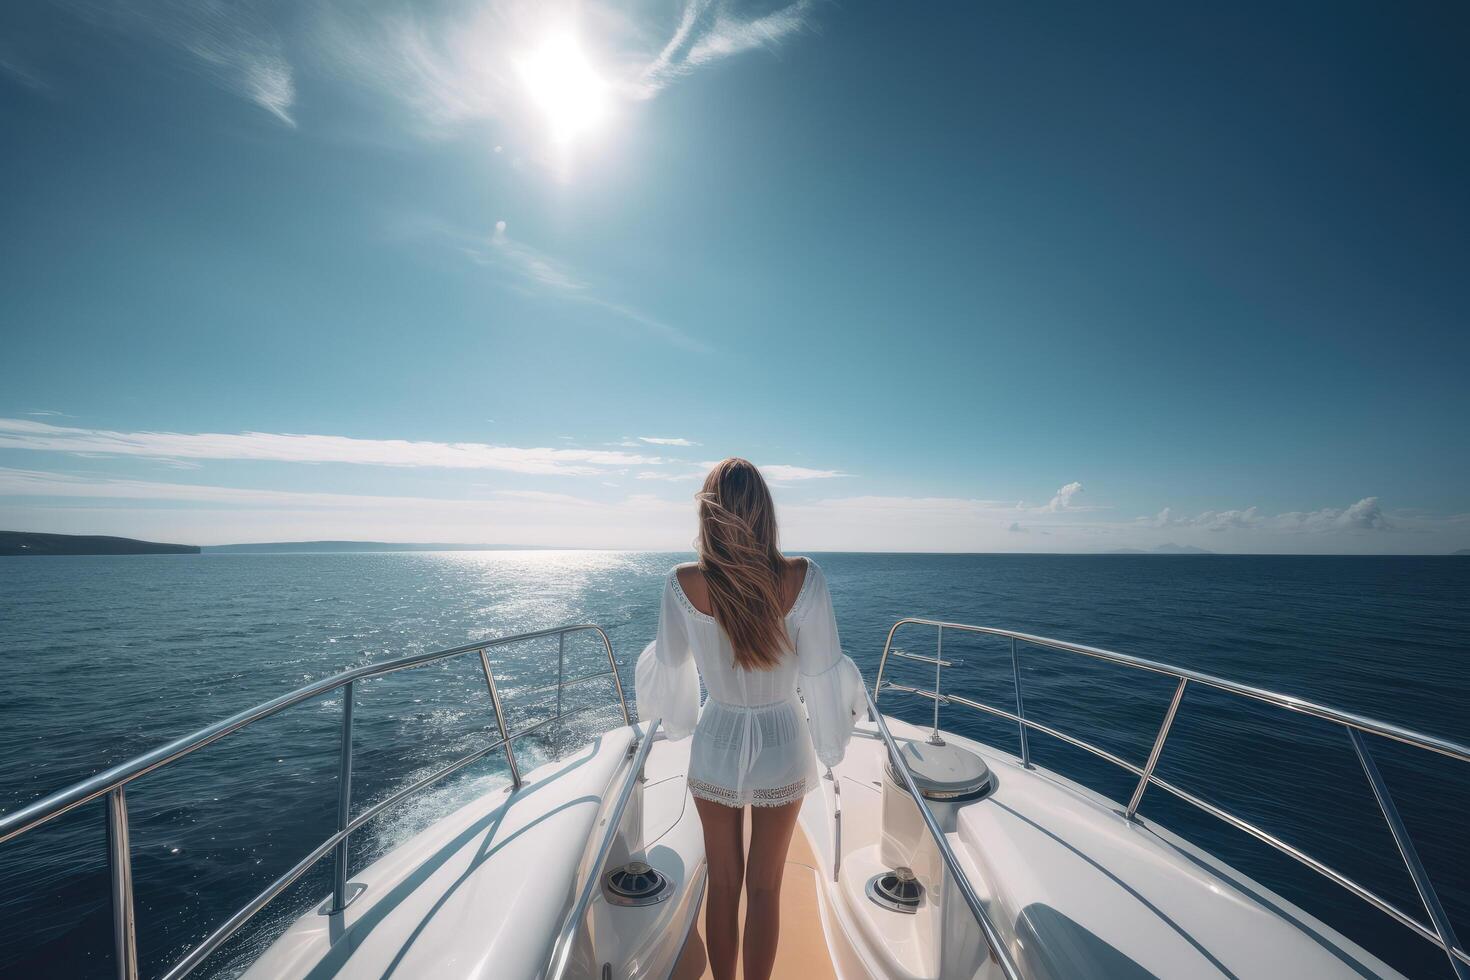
(1076, 890)
(482, 893)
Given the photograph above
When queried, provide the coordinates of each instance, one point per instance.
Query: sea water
(104, 658)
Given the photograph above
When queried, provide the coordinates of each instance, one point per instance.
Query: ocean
(104, 658)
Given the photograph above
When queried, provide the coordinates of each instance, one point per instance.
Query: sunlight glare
(564, 85)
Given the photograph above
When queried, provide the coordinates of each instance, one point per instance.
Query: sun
(566, 88)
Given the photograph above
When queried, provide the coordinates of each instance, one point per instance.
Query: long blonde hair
(742, 565)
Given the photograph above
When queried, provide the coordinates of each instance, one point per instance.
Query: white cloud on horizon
(207, 514)
(299, 448)
(544, 497)
(908, 523)
(1365, 515)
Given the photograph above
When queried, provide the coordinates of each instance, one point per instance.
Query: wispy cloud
(452, 64)
(651, 325)
(448, 63)
(536, 271)
(294, 448)
(11, 66)
(659, 441)
(683, 476)
(709, 30)
(777, 473)
(530, 264)
(790, 474)
(234, 44)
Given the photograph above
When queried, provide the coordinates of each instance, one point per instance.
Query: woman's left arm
(666, 681)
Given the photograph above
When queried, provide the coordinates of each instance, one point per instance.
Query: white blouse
(750, 746)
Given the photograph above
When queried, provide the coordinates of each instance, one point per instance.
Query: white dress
(750, 744)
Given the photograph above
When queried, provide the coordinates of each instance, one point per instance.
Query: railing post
(561, 663)
(836, 823)
(1153, 756)
(344, 805)
(883, 661)
(120, 865)
(510, 756)
(934, 738)
(612, 664)
(1020, 707)
(1409, 854)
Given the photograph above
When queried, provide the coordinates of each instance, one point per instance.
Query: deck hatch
(897, 891)
(635, 883)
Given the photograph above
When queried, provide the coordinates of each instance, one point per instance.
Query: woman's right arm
(830, 682)
(666, 681)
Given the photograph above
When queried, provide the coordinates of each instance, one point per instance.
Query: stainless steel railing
(113, 782)
(561, 947)
(1438, 930)
(993, 938)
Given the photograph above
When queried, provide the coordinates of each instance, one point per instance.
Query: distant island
(356, 547)
(20, 543)
(1163, 549)
(1462, 551)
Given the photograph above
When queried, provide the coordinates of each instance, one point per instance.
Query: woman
(757, 625)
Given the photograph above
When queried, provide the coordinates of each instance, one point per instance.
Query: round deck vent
(634, 884)
(897, 890)
(944, 772)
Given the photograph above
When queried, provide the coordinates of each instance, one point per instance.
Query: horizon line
(449, 546)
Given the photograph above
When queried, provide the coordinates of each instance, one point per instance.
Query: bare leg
(770, 837)
(724, 850)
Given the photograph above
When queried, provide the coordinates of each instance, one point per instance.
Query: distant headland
(21, 543)
(14, 543)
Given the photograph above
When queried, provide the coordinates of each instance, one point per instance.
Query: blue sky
(985, 277)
